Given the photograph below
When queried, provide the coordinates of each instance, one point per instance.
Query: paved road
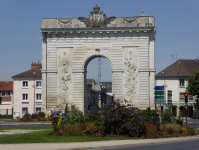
(194, 122)
(185, 145)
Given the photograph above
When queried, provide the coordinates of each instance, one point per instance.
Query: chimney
(34, 65)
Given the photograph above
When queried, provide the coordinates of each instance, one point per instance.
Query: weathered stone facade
(68, 45)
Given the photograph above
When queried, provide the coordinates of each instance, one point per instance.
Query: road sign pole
(186, 115)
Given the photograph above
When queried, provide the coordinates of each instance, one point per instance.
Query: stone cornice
(78, 30)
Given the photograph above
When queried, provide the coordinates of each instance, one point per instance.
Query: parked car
(57, 114)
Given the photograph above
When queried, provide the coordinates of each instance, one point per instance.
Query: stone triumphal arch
(68, 44)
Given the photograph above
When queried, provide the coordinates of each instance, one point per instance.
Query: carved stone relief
(97, 18)
(130, 74)
(64, 67)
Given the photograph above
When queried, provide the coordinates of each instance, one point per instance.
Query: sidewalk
(95, 145)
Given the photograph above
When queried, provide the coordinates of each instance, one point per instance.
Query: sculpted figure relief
(64, 67)
(130, 65)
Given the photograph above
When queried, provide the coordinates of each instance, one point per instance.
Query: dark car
(57, 114)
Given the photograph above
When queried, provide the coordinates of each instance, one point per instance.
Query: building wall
(174, 85)
(19, 103)
(6, 101)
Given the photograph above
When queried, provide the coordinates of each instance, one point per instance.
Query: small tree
(193, 87)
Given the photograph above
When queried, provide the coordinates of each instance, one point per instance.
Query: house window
(24, 110)
(38, 84)
(24, 83)
(182, 96)
(190, 97)
(25, 97)
(5, 93)
(38, 96)
(38, 109)
(181, 82)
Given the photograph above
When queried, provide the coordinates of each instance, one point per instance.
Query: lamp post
(34, 93)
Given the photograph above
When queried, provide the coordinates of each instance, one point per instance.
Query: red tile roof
(181, 68)
(29, 74)
(6, 85)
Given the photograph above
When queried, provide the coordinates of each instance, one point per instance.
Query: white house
(175, 77)
(27, 91)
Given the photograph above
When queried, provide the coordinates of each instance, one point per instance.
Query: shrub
(26, 117)
(54, 123)
(74, 117)
(166, 116)
(93, 116)
(184, 130)
(151, 129)
(34, 116)
(121, 120)
(180, 122)
(41, 114)
(151, 116)
(72, 131)
(190, 129)
(173, 120)
(172, 128)
(179, 117)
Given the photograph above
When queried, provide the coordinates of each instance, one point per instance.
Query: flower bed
(118, 121)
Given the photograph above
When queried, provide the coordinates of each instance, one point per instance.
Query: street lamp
(34, 93)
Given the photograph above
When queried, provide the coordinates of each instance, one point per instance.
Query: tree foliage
(193, 85)
(193, 88)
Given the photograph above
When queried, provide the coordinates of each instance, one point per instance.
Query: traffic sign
(159, 97)
(160, 88)
(159, 93)
(186, 106)
(159, 101)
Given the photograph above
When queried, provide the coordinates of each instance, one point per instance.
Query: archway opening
(98, 84)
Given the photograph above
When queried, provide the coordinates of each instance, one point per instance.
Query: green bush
(173, 120)
(180, 122)
(73, 117)
(93, 116)
(151, 116)
(166, 116)
(34, 116)
(54, 123)
(41, 114)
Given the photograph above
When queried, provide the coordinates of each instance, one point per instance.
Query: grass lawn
(197, 131)
(43, 137)
(25, 128)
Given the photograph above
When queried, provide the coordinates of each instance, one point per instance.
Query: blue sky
(176, 21)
